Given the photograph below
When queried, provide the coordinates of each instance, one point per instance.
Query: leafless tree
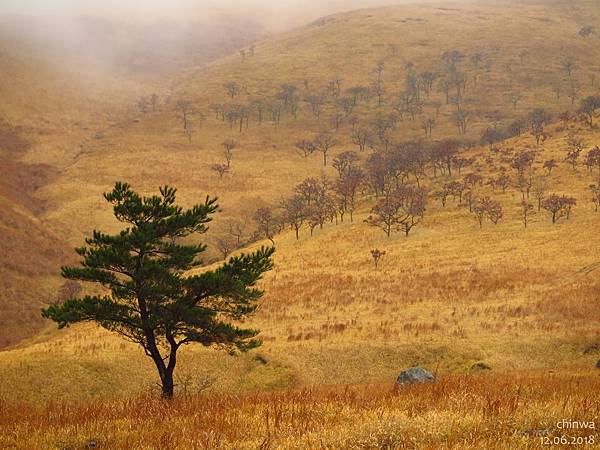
(379, 68)
(229, 145)
(461, 120)
(143, 104)
(400, 210)
(286, 93)
(226, 244)
(295, 213)
(379, 91)
(336, 120)
(573, 92)
(260, 107)
(154, 102)
(361, 136)
(232, 88)
(526, 210)
(344, 162)
(316, 103)
(539, 189)
(515, 98)
(185, 110)
(589, 109)
(486, 207)
(558, 206)
(428, 125)
(377, 254)
(346, 188)
(306, 147)
(595, 190)
(549, 165)
(324, 141)
(592, 159)
(221, 169)
(568, 64)
(267, 223)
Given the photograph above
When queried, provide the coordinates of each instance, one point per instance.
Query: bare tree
(360, 137)
(595, 190)
(573, 92)
(526, 210)
(295, 213)
(558, 206)
(267, 223)
(592, 159)
(589, 109)
(260, 107)
(346, 188)
(336, 120)
(232, 88)
(379, 91)
(344, 162)
(316, 103)
(287, 92)
(154, 102)
(379, 68)
(324, 141)
(568, 64)
(221, 169)
(377, 254)
(461, 120)
(226, 244)
(549, 165)
(486, 207)
(428, 125)
(539, 189)
(143, 104)
(515, 98)
(400, 210)
(306, 147)
(185, 109)
(229, 145)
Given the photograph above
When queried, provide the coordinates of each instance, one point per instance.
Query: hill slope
(448, 296)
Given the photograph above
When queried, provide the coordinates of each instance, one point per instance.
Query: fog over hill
(157, 36)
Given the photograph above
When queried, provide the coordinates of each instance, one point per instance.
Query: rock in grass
(414, 375)
(598, 364)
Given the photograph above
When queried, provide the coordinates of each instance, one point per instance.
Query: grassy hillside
(452, 294)
(524, 37)
(448, 296)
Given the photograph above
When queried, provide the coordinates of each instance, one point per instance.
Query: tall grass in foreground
(491, 411)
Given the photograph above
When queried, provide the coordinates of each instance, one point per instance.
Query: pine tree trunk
(167, 384)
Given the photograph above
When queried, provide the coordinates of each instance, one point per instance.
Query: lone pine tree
(147, 297)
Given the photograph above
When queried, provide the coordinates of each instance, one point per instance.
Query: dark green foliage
(147, 296)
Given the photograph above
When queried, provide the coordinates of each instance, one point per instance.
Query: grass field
(514, 410)
(525, 301)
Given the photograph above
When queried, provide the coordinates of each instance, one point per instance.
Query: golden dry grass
(514, 410)
(448, 296)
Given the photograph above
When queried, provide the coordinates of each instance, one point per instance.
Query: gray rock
(414, 375)
(598, 364)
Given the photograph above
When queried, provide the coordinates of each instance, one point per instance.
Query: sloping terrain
(449, 295)
(30, 254)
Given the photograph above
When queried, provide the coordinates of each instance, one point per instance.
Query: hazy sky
(305, 8)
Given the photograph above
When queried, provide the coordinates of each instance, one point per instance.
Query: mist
(143, 37)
